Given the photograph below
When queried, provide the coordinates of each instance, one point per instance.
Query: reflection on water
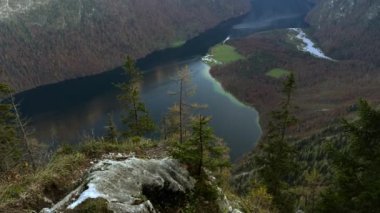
(272, 14)
(278, 22)
(236, 123)
(65, 112)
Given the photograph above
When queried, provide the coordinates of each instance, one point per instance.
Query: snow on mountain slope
(348, 29)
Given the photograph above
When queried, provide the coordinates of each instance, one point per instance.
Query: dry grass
(62, 174)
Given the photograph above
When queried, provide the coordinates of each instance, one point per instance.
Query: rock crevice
(132, 185)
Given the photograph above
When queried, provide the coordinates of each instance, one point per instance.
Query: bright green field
(278, 73)
(225, 53)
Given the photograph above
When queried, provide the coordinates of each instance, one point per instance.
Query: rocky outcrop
(131, 185)
(347, 29)
(45, 41)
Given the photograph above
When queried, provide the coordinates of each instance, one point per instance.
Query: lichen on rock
(131, 185)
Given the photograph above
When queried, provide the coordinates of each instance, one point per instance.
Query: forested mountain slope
(347, 29)
(344, 30)
(325, 88)
(45, 41)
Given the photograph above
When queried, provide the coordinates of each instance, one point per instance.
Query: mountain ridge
(346, 29)
(58, 40)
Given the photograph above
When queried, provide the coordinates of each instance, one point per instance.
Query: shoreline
(154, 58)
(219, 88)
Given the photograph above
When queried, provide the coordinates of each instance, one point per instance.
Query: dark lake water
(67, 111)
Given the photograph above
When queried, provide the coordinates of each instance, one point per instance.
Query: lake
(68, 111)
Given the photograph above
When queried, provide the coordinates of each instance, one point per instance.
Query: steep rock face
(45, 41)
(348, 29)
(132, 185)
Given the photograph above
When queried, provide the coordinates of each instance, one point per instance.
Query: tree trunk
(135, 117)
(25, 137)
(200, 166)
(180, 112)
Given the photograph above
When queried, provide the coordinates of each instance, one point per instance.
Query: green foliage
(356, 186)
(171, 123)
(202, 149)
(62, 173)
(277, 73)
(96, 148)
(258, 200)
(137, 119)
(176, 121)
(203, 198)
(111, 131)
(59, 168)
(309, 190)
(10, 148)
(276, 157)
(11, 192)
(55, 179)
(225, 53)
(92, 205)
(65, 149)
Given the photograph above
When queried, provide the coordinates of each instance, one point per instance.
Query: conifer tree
(111, 130)
(202, 149)
(313, 182)
(178, 116)
(10, 150)
(14, 140)
(356, 186)
(276, 157)
(22, 126)
(137, 119)
(171, 123)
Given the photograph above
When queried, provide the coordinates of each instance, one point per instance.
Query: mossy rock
(99, 205)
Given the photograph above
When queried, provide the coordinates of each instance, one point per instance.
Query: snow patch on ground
(308, 45)
(91, 192)
(208, 59)
(121, 183)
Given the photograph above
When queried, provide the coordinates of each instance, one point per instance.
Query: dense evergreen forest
(336, 170)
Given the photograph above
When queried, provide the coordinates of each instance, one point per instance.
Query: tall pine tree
(137, 119)
(202, 150)
(10, 147)
(356, 184)
(177, 120)
(111, 130)
(276, 156)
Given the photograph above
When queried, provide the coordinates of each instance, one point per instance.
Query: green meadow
(225, 53)
(278, 73)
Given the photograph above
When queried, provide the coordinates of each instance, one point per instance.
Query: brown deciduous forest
(80, 38)
(325, 91)
(349, 33)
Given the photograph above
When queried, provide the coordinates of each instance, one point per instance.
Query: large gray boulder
(130, 185)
